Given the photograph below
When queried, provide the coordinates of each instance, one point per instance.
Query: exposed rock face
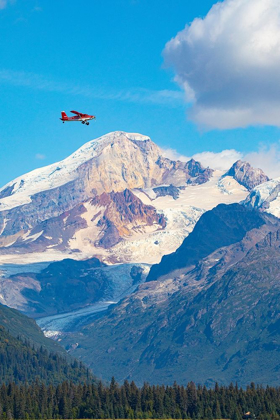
(217, 321)
(246, 175)
(167, 190)
(110, 234)
(44, 205)
(124, 212)
(198, 174)
(219, 227)
(111, 216)
(136, 273)
(54, 232)
(191, 172)
(6, 192)
(114, 162)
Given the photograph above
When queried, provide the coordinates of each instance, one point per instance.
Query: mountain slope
(216, 320)
(116, 199)
(22, 363)
(220, 227)
(69, 285)
(19, 325)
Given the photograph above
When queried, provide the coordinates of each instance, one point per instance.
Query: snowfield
(59, 173)
(146, 244)
(181, 216)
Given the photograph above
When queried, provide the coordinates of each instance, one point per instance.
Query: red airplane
(84, 118)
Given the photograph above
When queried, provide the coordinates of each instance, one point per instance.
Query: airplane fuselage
(83, 118)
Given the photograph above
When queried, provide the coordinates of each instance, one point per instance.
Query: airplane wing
(76, 112)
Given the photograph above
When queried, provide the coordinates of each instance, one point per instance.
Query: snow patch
(33, 237)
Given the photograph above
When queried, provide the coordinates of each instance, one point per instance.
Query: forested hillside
(21, 362)
(18, 324)
(26, 355)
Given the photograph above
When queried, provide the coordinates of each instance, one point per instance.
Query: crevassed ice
(264, 190)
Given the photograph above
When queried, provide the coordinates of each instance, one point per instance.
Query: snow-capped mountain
(20, 190)
(116, 198)
(100, 165)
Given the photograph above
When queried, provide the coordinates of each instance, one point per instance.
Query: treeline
(21, 362)
(95, 400)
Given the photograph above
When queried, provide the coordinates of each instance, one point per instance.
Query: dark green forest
(22, 362)
(67, 400)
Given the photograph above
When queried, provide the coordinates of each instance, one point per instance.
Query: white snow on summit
(59, 173)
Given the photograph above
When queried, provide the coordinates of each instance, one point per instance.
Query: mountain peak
(246, 175)
(20, 190)
(114, 162)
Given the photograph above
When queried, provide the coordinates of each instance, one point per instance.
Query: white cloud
(174, 155)
(228, 64)
(221, 160)
(267, 158)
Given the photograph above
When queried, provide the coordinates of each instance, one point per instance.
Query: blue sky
(109, 58)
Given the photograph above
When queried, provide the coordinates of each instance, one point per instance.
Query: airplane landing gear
(87, 123)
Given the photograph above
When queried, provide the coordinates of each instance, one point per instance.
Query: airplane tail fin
(63, 115)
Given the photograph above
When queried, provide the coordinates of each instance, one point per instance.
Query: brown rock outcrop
(246, 175)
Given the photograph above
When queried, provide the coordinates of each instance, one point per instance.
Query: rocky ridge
(246, 175)
(124, 212)
(220, 227)
(216, 317)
